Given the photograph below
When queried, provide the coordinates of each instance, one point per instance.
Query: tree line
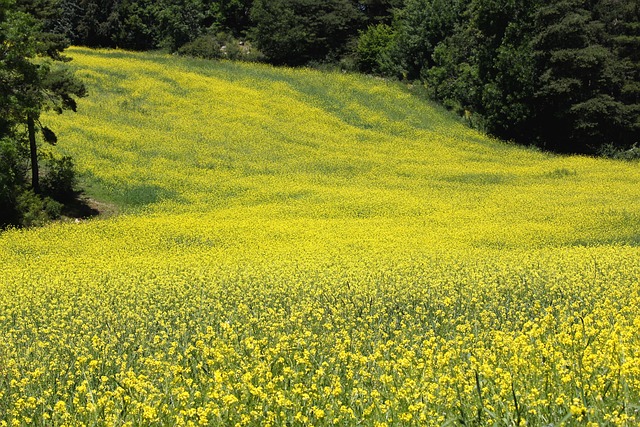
(291, 32)
(560, 74)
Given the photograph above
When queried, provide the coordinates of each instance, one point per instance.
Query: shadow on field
(83, 207)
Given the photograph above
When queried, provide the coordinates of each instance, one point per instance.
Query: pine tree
(579, 80)
(621, 19)
(30, 82)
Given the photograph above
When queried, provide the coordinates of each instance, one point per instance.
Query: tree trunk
(35, 173)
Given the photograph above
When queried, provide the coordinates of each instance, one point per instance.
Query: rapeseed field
(299, 248)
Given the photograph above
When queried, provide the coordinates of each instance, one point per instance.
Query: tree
(295, 32)
(621, 19)
(421, 25)
(454, 78)
(235, 16)
(147, 24)
(564, 75)
(374, 48)
(91, 22)
(30, 84)
(35, 85)
(505, 66)
(181, 21)
(579, 79)
(379, 11)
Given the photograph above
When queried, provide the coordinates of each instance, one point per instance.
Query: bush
(207, 46)
(35, 211)
(221, 46)
(19, 205)
(372, 51)
(60, 180)
(613, 152)
(238, 50)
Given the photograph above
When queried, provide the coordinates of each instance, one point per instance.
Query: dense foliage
(287, 31)
(298, 31)
(30, 84)
(558, 74)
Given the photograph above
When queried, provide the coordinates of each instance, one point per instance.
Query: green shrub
(221, 46)
(31, 209)
(52, 208)
(34, 210)
(206, 46)
(372, 51)
(60, 180)
(613, 152)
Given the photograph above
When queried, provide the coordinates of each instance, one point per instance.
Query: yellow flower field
(296, 248)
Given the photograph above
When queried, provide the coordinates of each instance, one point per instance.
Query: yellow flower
(60, 407)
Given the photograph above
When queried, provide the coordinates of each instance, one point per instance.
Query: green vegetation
(299, 247)
(296, 32)
(31, 84)
(560, 75)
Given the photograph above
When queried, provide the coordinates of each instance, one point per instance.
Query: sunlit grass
(300, 248)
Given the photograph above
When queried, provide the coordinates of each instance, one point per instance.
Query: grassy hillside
(302, 248)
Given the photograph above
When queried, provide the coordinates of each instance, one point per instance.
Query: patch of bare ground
(83, 207)
(104, 209)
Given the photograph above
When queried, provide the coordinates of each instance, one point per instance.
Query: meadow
(298, 248)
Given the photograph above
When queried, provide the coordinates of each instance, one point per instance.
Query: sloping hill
(302, 247)
(184, 136)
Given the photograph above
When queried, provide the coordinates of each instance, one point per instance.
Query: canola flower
(302, 249)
